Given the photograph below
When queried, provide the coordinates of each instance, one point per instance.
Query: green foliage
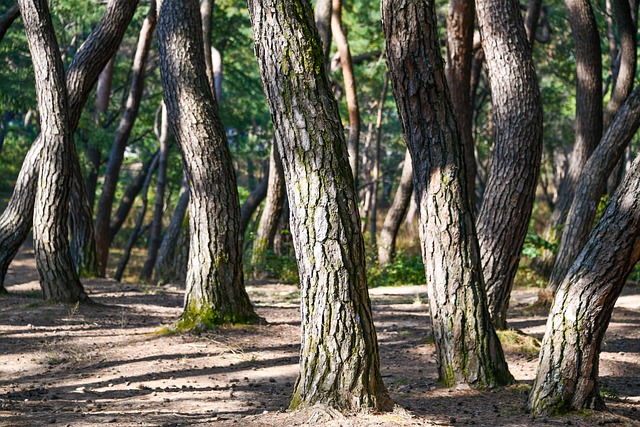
(403, 270)
(281, 267)
(518, 341)
(534, 246)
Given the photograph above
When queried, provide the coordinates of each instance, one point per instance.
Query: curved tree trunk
(112, 173)
(58, 277)
(353, 143)
(460, 23)
(272, 210)
(508, 198)
(339, 362)
(467, 347)
(88, 62)
(215, 285)
(7, 19)
(567, 377)
(397, 211)
(592, 184)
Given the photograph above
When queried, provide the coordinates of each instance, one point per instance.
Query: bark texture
(508, 198)
(396, 213)
(467, 347)
(112, 173)
(88, 62)
(323, 13)
(591, 186)
(215, 285)
(58, 277)
(567, 377)
(339, 361)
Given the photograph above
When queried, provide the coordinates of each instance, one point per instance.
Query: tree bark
(397, 211)
(7, 19)
(567, 377)
(206, 7)
(272, 210)
(83, 241)
(467, 347)
(339, 362)
(591, 186)
(375, 170)
(215, 285)
(509, 194)
(342, 43)
(323, 12)
(531, 19)
(112, 173)
(58, 278)
(89, 61)
(460, 23)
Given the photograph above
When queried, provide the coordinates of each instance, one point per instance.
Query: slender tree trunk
(102, 43)
(591, 185)
(155, 235)
(339, 362)
(508, 198)
(342, 43)
(7, 19)
(460, 23)
(397, 211)
(531, 19)
(253, 201)
(272, 210)
(58, 277)
(215, 285)
(112, 173)
(83, 241)
(467, 347)
(567, 377)
(323, 12)
(206, 7)
(375, 172)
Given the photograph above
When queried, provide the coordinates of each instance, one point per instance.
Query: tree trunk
(282, 243)
(460, 23)
(155, 235)
(397, 211)
(58, 277)
(272, 210)
(253, 201)
(342, 43)
(215, 285)
(567, 377)
(467, 347)
(375, 171)
(206, 7)
(531, 20)
(83, 241)
(592, 184)
(339, 362)
(17, 219)
(112, 173)
(323, 12)
(7, 19)
(509, 194)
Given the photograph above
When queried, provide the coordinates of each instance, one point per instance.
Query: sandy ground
(65, 365)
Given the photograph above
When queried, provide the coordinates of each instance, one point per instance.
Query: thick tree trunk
(567, 377)
(397, 211)
(89, 61)
(155, 234)
(342, 43)
(253, 201)
(58, 277)
(591, 185)
(508, 198)
(467, 347)
(339, 362)
(460, 22)
(272, 210)
(215, 285)
(112, 173)
(7, 19)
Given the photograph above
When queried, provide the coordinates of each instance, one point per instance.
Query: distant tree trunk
(375, 172)
(253, 201)
(206, 7)
(112, 173)
(531, 19)
(397, 211)
(83, 241)
(163, 271)
(460, 23)
(215, 285)
(467, 347)
(509, 194)
(323, 12)
(591, 186)
(339, 362)
(589, 115)
(58, 277)
(7, 19)
(282, 241)
(155, 234)
(272, 210)
(567, 377)
(88, 62)
(342, 43)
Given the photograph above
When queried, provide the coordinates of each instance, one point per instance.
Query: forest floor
(67, 365)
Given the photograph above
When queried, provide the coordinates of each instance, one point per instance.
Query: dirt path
(66, 365)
